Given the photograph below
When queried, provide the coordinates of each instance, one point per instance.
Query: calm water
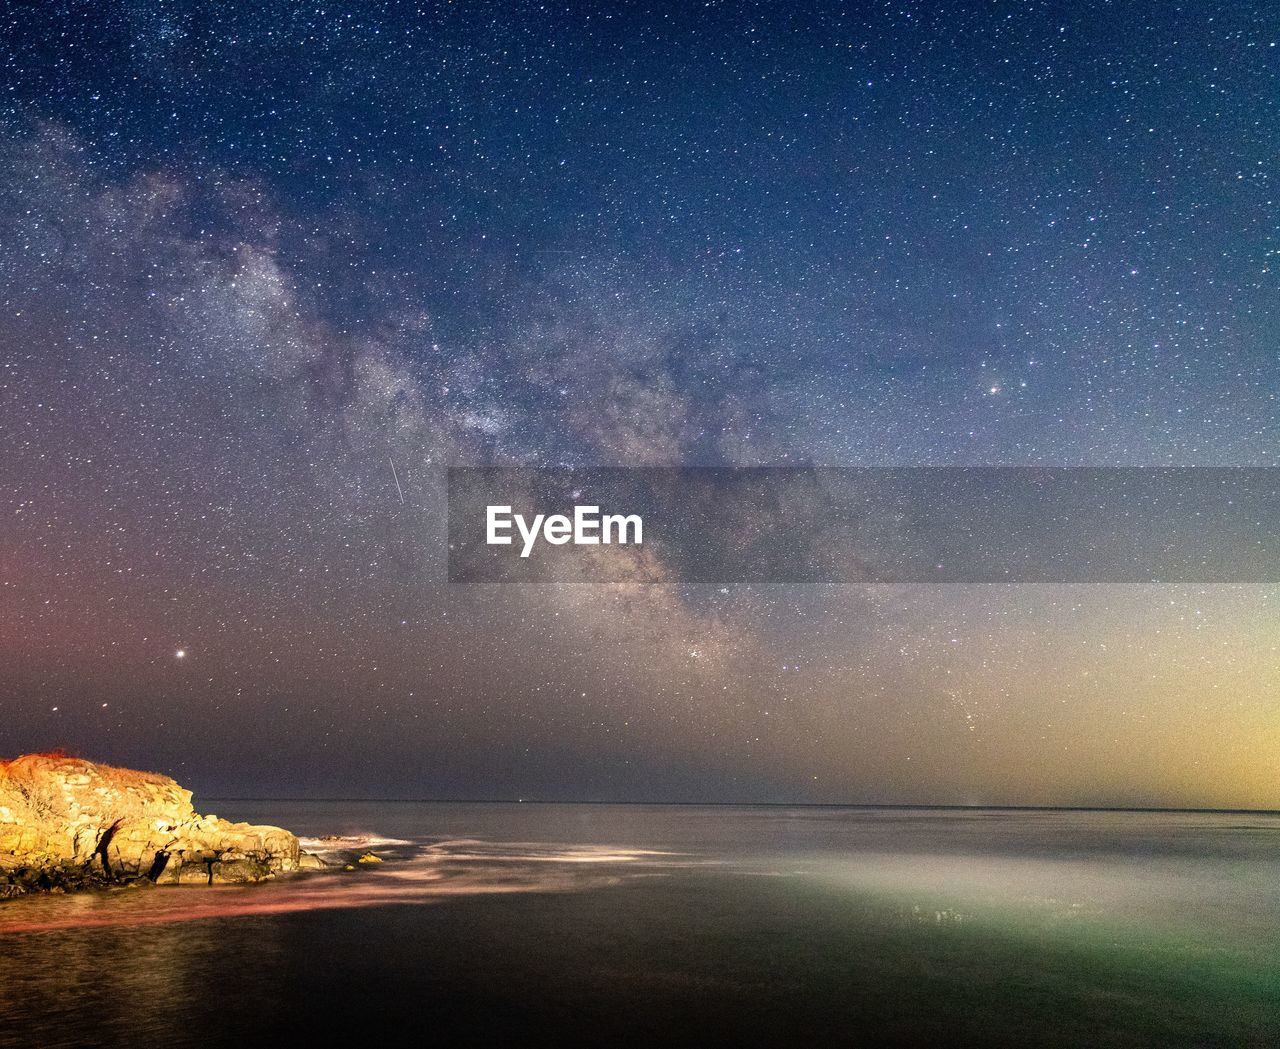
(675, 925)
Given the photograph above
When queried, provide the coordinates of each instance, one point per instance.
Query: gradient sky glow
(251, 256)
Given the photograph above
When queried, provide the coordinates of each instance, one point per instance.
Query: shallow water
(664, 924)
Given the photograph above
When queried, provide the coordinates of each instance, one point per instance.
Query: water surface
(672, 924)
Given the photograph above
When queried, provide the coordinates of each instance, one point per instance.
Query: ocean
(493, 924)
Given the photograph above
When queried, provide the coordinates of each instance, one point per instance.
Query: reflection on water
(410, 874)
(816, 912)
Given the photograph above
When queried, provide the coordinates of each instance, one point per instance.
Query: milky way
(266, 270)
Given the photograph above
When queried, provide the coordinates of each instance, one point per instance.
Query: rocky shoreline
(67, 824)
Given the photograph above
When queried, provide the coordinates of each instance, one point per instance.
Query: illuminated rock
(69, 823)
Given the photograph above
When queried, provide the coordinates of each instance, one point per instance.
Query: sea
(519, 924)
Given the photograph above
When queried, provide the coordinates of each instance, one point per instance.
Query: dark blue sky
(250, 252)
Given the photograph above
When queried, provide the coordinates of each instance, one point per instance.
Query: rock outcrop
(66, 823)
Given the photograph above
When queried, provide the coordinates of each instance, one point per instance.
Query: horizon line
(766, 804)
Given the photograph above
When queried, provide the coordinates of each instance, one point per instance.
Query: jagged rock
(66, 823)
(193, 874)
(240, 871)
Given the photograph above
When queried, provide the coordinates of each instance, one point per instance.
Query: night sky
(253, 254)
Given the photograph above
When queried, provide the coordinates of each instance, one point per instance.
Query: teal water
(590, 924)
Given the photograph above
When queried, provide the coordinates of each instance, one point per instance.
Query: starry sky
(253, 254)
